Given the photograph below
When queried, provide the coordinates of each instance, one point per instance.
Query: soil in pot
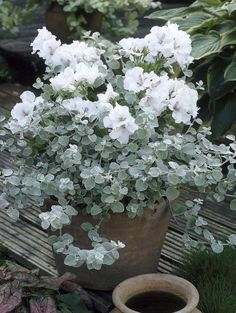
(156, 302)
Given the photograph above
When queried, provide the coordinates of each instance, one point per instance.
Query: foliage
(123, 24)
(212, 26)
(213, 277)
(11, 16)
(120, 17)
(24, 291)
(106, 137)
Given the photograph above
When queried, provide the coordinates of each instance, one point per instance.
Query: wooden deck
(27, 242)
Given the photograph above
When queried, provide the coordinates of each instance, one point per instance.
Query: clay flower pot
(172, 293)
(143, 237)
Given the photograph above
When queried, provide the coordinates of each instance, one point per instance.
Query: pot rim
(155, 282)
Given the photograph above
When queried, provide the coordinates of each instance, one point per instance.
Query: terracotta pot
(56, 22)
(143, 237)
(159, 283)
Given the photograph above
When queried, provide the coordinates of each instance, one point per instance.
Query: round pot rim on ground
(155, 282)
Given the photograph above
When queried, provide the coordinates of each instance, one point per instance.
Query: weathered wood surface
(27, 242)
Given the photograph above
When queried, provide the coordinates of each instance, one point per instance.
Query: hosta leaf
(225, 115)
(194, 21)
(225, 26)
(230, 72)
(206, 45)
(170, 13)
(231, 7)
(229, 38)
(211, 2)
(217, 86)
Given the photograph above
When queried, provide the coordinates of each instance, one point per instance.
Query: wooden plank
(30, 248)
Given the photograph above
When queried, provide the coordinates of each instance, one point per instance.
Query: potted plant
(108, 150)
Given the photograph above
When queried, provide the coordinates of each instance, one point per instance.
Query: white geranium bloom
(156, 97)
(72, 54)
(84, 107)
(121, 122)
(45, 44)
(132, 46)
(110, 94)
(14, 127)
(86, 73)
(134, 79)
(23, 111)
(182, 46)
(65, 81)
(170, 42)
(68, 78)
(183, 102)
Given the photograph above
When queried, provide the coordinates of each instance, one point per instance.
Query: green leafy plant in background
(11, 15)
(125, 23)
(214, 277)
(212, 26)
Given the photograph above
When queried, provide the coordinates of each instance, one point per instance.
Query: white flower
(132, 46)
(84, 107)
(86, 73)
(69, 77)
(45, 44)
(134, 79)
(137, 80)
(65, 81)
(14, 127)
(74, 53)
(156, 97)
(170, 42)
(23, 111)
(110, 94)
(183, 102)
(182, 46)
(121, 122)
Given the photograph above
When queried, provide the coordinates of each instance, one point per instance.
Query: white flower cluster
(56, 54)
(76, 67)
(121, 122)
(167, 42)
(162, 93)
